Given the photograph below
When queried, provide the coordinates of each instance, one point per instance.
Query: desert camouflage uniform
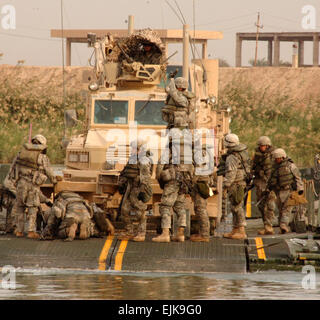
(148, 57)
(261, 168)
(33, 169)
(177, 109)
(68, 213)
(134, 178)
(202, 180)
(235, 182)
(284, 179)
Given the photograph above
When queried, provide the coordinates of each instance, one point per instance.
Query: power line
(174, 11)
(184, 20)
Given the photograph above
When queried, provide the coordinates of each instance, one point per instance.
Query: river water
(51, 284)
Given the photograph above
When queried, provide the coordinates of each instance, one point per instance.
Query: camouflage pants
(28, 196)
(200, 210)
(266, 205)
(19, 214)
(236, 196)
(285, 210)
(131, 204)
(172, 199)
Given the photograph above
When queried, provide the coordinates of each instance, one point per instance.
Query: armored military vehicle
(126, 92)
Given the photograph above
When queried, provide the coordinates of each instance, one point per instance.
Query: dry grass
(292, 124)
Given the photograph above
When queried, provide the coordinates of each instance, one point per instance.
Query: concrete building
(274, 39)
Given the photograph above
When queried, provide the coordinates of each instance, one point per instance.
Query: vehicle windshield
(111, 111)
(148, 112)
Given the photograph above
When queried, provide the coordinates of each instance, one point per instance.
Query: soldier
(204, 164)
(178, 104)
(284, 181)
(175, 178)
(71, 215)
(236, 169)
(261, 169)
(7, 199)
(33, 169)
(148, 54)
(135, 184)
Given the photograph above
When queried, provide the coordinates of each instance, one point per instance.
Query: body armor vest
(243, 166)
(176, 116)
(262, 162)
(29, 155)
(282, 177)
(130, 171)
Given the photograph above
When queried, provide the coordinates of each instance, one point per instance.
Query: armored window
(111, 112)
(149, 112)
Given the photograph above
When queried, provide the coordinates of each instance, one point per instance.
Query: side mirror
(70, 118)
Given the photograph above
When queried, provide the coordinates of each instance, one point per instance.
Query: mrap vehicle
(124, 101)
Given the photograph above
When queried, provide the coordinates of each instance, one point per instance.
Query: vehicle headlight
(93, 86)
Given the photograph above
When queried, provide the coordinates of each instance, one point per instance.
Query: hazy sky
(31, 41)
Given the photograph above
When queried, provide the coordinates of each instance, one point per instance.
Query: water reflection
(57, 284)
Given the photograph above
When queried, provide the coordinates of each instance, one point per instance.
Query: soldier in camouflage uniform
(148, 54)
(261, 169)
(285, 179)
(204, 165)
(72, 216)
(175, 174)
(234, 183)
(33, 169)
(135, 184)
(178, 104)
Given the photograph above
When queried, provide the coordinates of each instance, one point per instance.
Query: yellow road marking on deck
(119, 256)
(104, 253)
(260, 250)
(248, 207)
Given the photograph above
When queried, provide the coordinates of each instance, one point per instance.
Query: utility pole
(257, 38)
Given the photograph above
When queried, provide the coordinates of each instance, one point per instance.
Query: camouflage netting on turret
(133, 43)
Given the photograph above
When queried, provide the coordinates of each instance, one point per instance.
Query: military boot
(179, 236)
(19, 234)
(33, 235)
(268, 230)
(199, 238)
(240, 234)
(230, 234)
(126, 235)
(71, 232)
(83, 232)
(140, 237)
(284, 228)
(164, 236)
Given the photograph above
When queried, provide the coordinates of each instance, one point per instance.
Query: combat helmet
(231, 140)
(264, 141)
(279, 153)
(40, 139)
(181, 83)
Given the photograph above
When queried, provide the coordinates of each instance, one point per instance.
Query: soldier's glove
(300, 192)
(140, 196)
(49, 203)
(172, 74)
(122, 189)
